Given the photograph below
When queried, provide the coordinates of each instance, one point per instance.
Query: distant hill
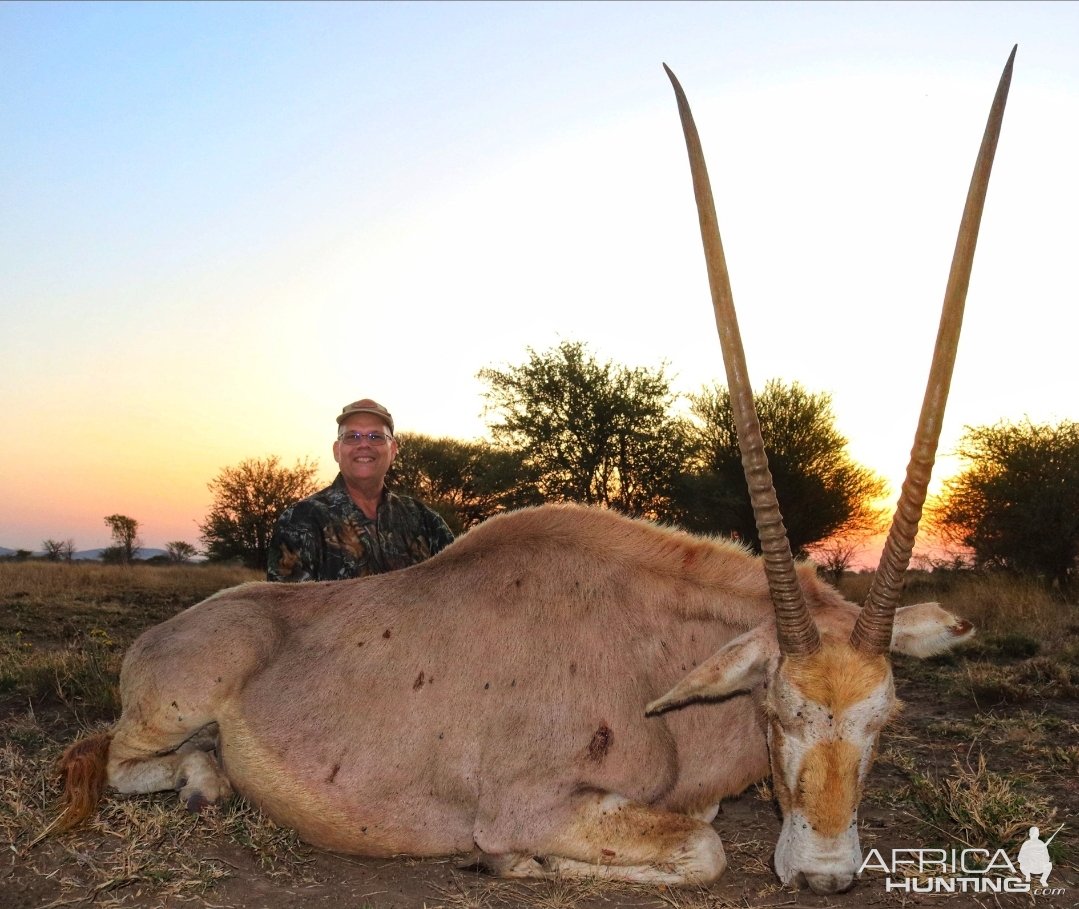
(91, 554)
(144, 554)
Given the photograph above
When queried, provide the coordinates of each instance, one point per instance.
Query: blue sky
(221, 222)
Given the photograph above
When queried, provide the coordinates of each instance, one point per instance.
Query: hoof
(196, 803)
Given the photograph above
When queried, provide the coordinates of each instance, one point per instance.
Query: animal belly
(345, 799)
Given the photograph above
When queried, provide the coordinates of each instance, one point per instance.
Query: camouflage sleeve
(294, 549)
(439, 535)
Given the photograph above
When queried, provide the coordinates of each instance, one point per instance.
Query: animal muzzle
(823, 883)
(804, 858)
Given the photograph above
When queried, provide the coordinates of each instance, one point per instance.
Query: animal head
(825, 710)
(827, 691)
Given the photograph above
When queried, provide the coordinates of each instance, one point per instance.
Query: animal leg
(609, 836)
(141, 762)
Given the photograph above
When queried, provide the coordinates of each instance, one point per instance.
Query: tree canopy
(125, 538)
(465, 482)
(180, 551)
(1016, 502)
(58, 550)
(247, 499)
(822, 493)
(590, 431)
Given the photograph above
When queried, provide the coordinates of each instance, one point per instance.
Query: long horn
(873, 631)
(794, 626)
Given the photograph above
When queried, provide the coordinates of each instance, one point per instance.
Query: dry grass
(63, 632)
(975, 805)
(52, 603)
(94, 581)
(81, 676)
(997, 604)
(1023, 727)
(134, 846)
(692, 898)
(463, 892)
(557, 893)
(1002, 605)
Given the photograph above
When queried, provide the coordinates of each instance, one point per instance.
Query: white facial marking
(821, 754)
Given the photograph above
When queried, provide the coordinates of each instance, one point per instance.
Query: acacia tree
(466, 482)
(824, 495)
(1016, 503)
(590, 432)
(125, 539)
(180, 552)
(247, 500)
(58, 550)
(837, 553)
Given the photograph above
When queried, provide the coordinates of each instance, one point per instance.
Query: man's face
(364, 461)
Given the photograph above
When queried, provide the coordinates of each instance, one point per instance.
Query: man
(356, 526)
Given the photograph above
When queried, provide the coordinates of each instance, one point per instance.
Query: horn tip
(1010, 63)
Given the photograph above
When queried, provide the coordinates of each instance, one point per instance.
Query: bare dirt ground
(987, 741)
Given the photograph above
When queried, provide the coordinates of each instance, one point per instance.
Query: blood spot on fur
(386, 633)
(601, 743)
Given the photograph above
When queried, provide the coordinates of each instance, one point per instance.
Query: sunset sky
(222, 222)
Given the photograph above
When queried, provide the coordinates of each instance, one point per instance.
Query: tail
(83, 768)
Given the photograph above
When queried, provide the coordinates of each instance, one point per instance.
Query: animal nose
(828, 883)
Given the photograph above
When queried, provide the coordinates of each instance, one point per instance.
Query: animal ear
(925, 630)
(738, 666)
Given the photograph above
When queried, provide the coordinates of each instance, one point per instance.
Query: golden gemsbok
(563, 690)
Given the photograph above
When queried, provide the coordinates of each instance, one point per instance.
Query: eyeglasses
(354, 438)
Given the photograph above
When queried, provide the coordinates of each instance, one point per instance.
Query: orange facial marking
(837, 676)
(828, 788)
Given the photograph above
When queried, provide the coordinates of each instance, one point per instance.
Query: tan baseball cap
(366, 405)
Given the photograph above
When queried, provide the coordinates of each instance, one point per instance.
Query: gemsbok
(564, 690)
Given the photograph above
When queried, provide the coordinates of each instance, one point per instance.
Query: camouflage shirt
(327, 537)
